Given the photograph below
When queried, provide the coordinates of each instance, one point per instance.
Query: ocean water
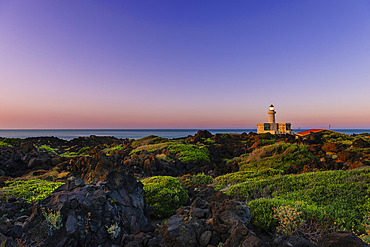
(69, 134)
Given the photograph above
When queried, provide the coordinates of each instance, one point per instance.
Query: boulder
(292, 241)
(179, 233)
(229, 213)
(241, 236)
(341, 239)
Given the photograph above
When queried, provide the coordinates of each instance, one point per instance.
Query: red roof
(307, 132)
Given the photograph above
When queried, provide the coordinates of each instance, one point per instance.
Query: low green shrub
(341, 196)
(337, 137)
(165, 194)
(262, 214)
(110, 150)
(188, 153)
(243, 176)
(83, 152)
(46, 148)
(202, 179)
(343, 138)
(2, 143)
(10, 141)
(195, 180)
(152, 139)
(279, 156)
(209, 141)
(359, 150)
(31, 191)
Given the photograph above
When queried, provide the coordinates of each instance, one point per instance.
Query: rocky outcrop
(360, 143)
(332, 147)
(17, 161)
(76, 214)
(211, 219)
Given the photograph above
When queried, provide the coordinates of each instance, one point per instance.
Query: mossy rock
(165, 194)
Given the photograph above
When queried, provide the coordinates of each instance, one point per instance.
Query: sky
(183, 64)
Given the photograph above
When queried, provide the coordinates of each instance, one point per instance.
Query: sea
(69, 134)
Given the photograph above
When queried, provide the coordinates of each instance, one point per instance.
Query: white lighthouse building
(273, 127)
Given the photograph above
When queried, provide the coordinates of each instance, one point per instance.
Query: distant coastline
(69, 134)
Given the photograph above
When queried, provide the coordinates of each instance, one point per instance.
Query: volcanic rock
(90, 215)
(341, 239)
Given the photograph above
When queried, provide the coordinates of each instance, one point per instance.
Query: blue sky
(184, 64)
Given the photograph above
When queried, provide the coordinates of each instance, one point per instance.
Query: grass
(46, 148)
(359, 150)
(342, 138)
(195, 180)
(341, 196)
(230, 179)
(209, 141)
(152, 139)
(109, 151)
(83, 152)
(279, 156)
(188, 153)
(31, 190)
(10, 142)
(4, 144)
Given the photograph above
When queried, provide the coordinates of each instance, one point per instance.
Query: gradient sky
(184, 64)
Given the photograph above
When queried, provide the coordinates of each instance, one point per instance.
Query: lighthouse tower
(272, 127)
(271, 113)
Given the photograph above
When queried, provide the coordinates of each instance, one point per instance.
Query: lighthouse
(271, 113)
(272, 127)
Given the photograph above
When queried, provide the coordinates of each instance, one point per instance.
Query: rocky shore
(101, 189)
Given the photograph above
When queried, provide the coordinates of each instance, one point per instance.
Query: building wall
(274, 128)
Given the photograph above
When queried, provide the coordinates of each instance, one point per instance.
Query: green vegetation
(165, 194)
(337, 137)
(46, 148)
(359, 150)
(54, 220)
(279, 156)
(262, 213)
(336, 196)
(109, 151)
(342, 138)
(151, 148)
(196, 180)
(242, 159)
(113, 230)
(152, 139)
(10, 141)
(209, 141)
(243, 176)
(2, 143)
(267, 139)
(84, 152)
(31, 190)
(188, 153)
